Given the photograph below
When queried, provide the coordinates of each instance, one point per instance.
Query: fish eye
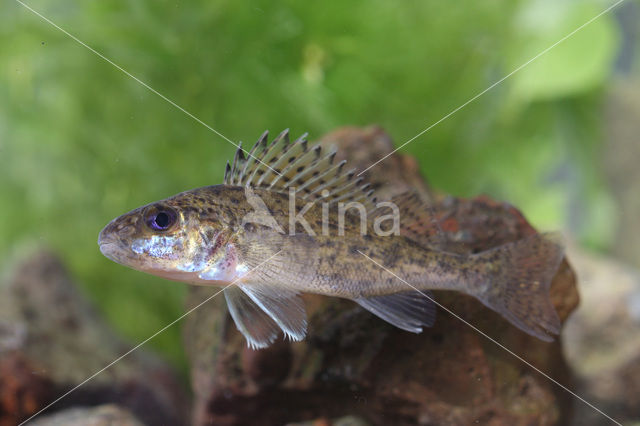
(160, 218)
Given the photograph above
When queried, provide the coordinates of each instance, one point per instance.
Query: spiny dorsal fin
(227, 173)
(238, 164)
(282, 164)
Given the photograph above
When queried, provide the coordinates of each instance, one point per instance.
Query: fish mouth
(109, 250)
(110, 246)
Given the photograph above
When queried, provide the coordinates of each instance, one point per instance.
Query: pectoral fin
(410, 310)
(282, 306)
(256, 326)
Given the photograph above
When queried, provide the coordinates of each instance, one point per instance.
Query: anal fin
(410, 310)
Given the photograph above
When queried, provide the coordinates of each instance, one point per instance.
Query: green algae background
(81, 142)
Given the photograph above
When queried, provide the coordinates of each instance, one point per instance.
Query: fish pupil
(159, 218)
(162, 220)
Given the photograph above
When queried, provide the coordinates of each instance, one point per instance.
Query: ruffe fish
(289, 220)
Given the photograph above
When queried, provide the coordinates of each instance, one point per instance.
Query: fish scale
(284, 223)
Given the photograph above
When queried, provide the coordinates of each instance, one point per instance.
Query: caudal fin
(520, 275)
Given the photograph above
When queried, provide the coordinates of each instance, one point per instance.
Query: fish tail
(517, 286)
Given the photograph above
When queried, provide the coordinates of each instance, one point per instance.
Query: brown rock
(23, 390)
(354, 364)
(362, 147)
(51, 340)
(103, 415)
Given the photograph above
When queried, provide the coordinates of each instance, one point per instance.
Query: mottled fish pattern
(245, 231)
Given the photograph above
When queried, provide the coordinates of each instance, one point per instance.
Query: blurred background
(81, 142)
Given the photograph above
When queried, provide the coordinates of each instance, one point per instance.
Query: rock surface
(51, 340)
(103, 415)
(353, 364)
(352, 369)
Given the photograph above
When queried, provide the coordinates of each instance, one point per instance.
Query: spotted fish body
(281, 224)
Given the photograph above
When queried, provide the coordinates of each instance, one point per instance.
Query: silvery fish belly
(288, 220)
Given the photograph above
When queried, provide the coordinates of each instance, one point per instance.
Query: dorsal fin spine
(283, 164)
(314, 161)
(328, 159)
(335, 169)
(273, 154)
(253, 154)
(227, 171)
(288, 166)
(236, 162)
(264, 150)
(331, 182)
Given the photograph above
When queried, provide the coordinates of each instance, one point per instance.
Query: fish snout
(105, 237)
(108, 242)
(113, 238)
